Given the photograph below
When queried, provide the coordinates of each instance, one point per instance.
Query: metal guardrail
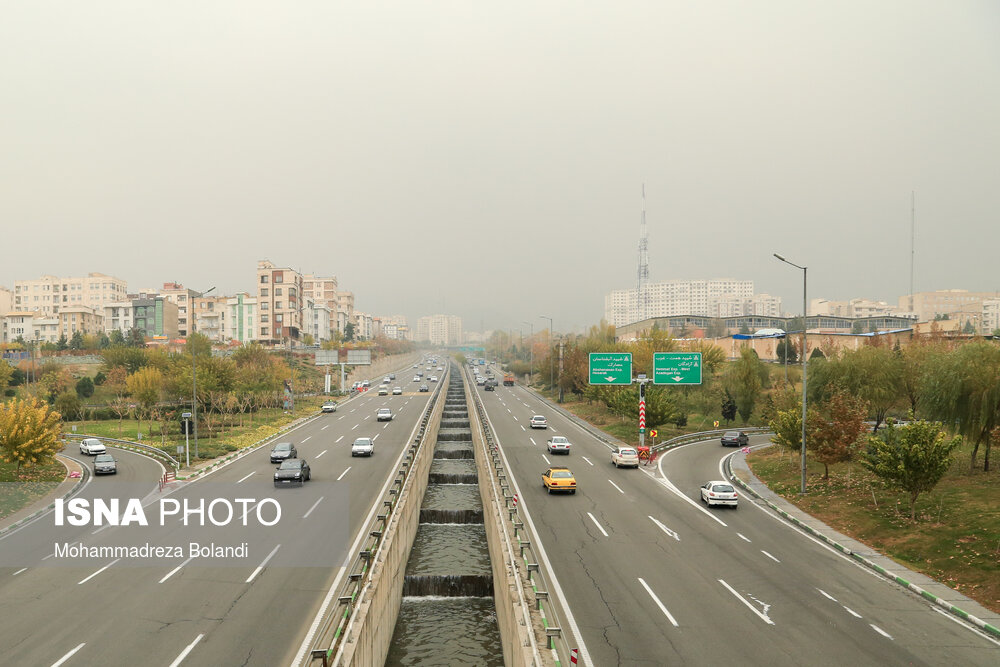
(360, 568)
(530, 566)
(155, 452)
(705, 435)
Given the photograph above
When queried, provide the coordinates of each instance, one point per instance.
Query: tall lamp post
(194, 377)
(804, 312)
(531, 352)
(551, 351)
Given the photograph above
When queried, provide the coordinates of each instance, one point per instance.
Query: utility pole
(561, 346)
(194, 377)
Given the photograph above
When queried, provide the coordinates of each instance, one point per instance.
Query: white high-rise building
(51, 294)
(440, 329)
(706, 298)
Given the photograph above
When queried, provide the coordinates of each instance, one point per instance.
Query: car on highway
(384, 415)
(397, 391)
(420, 374)
(416, 365)
(92, 446)
(105, 464)
(416, 378)
(734, 439)
(392, 376)
(424, 387)
(386, 380)
(440, 368)
(434, 378)
(559, 479)
(292, 471)
(283, 451)
(480, 380)
(625, 456)
(365, 384)
(719, 493)
(538, 421)
(383, 391)
(329, 406)
(490, 387)
(558, 444)
(363, 447)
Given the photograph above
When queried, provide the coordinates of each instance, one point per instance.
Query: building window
(263, 281)
(279, 277)
(263, 291)
(277, 305)
(263, 319)
(263, 331)
(278, 318)
(277, 291)
(263, 305)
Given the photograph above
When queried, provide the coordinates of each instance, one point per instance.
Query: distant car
(392, 376)
(356, 385)
(397, 391)
(92, 446)
(416, 365)
(420, 374)
(363, 447)
(440, 368)
(105, 464)
(490, 387)
(559, 479)
(424, 387)
(480, 380)
(386, 380)
(416, 378)
(735, 439)
(625, 456)
(283, 451)
(718, 493)
(292, 471)
(539, 421)
(434, 378)
(330, 406)
(558, 444)
(384, 415)
(365, 384)
(383, 391)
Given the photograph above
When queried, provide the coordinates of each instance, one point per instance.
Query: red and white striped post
(573, 656)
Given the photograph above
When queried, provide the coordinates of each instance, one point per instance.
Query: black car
(735, 439)
(490, 387)
(292, 471)
(424, 387)
(283, 451)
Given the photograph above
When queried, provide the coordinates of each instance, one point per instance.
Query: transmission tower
(642, 274)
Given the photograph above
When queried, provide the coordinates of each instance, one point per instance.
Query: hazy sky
(485, 159)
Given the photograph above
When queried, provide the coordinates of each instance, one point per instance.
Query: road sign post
(677, 368)
(610, 368)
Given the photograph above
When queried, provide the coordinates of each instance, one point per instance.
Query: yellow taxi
(559, 479)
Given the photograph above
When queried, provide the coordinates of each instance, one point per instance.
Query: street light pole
(531, 352)
(194, 377)
(551, 351)
(804, 313)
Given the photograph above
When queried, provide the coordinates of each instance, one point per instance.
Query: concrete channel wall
(507, 588)
(367, 640)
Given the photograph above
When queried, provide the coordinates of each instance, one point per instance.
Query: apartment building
(955, 303)
(321, 289)
(84, 319)
(181, 297)
(51, 294)
(209, 314)
(318, 319)
(279, 301)
(119, 316)
(240, 324)
(855, 308)
(684, 297)
(156, 316)
(29, 325)
(991, 316)
(440, 329)
(364, 328)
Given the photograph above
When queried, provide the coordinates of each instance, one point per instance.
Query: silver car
(363, 447)
(92, 446)
(105, 464)
(625, 456)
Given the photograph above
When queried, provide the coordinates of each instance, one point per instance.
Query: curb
(69, 494)
(979, 623)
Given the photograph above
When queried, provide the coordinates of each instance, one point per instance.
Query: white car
(330, 406)
(625, 456)
(383, 391)
(434, 378)
(558, 444)
(440, 368)
(384, 415)
(92, 447)
(397, 391)
(718, 493)
(416, 378)
(539, 421)
(363, 447)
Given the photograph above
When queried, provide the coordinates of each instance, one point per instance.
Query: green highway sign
(677, 368)
(610, 368)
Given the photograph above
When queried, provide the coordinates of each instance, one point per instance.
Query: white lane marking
(743, 600)
(175, 570)
(599, 527)
(68, 655)
(304, 439)
(351, 411)
(187, 649)
(386, 425)
(670, 485)
(770, 556)
(616, 486)
(244, 478)
(743, 537)
(880, 631)
(342, 416)
(546, 459)
(325, 427)
(355, 426)
(321, 453)
(522, 428)
(515, 417)
(671, 533)
(826, 595)
(658, 603)
(95, 532)
(83, 581)
(343, 473)
(19, 571)
(533, 441)
(851, 611)
(586, 459)
(964, 624)
(52, 554)
(376, 437)
(508, 410)
(338, 439)
(306, 515)
(261, 566)
(553, 429)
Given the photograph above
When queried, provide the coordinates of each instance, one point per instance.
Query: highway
(651, 576)
(252, 610)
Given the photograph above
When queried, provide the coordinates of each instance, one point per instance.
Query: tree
(968, 329)
(54, 380)
(787, 427)
(728, 407)
(61, 344)
(100, 378)
(85, 387)
(833, 434)
(121, 407)
(817, 354)
(744, 329)
(6, 373)
(962, 387)
(743, 381)
(349, 331)
(712, 356)
(103, 342)
(145, 385)
(29, 433)
(116, 338)
(913, 457)
(873, 374)
(68, 404)
(136, 338)
(76, 342)
(785, 348)
(199, 344)
(308, 340)
(857, 327)
(132, 359)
